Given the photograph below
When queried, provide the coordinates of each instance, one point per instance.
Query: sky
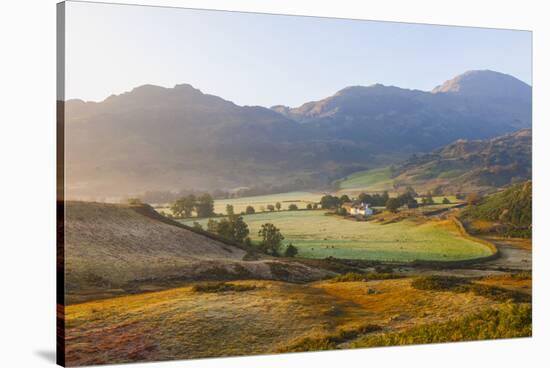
(266, 60)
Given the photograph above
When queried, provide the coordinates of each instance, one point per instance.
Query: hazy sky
(257, 59)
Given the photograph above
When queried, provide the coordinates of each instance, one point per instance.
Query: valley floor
(179, 319)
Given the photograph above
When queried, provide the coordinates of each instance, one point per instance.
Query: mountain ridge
(470, 165)
(158, 138)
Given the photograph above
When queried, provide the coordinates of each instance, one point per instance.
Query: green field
(300, 199)
(318, 236)
(375, 180)
(260, 203)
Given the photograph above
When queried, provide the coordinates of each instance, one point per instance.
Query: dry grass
(269, 317)
(521, 282)
(397, 304)
(181, 323)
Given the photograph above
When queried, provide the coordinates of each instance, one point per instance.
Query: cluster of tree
(405, 199)
(331, 202)
(375, 200)
(428, 199)
(203, 206)
(231, 228)
(271, 239)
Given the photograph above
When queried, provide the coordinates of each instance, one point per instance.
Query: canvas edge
(60, 184)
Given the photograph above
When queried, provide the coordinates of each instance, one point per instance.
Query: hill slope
(470, 165)
(508, 212)
(111, 246)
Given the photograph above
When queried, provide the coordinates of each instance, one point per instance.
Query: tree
(184, 206)
(189, 204)
(197, 226)
(212, 226)
(232, 228)
(291, 251)
(292, 207)
(445, 201)
(270, 207)
(224, 229)
(328, 201)
(315, 206)
(392, 205)
(177, 208)
(344, 198)
(278, 206)
(240, 229)
(365, 198)
(309, 206)
(205, 205)
(229, 210)
(250, 210)
(271, 238)
(429, 198)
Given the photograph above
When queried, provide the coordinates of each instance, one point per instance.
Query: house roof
(354, 205)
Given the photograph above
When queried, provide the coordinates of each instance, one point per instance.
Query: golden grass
(274, 316)
(180, 323)
(521, 284)
(396, 304)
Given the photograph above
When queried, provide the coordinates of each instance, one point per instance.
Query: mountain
(486, 84)
(156, 138)
(470, 165)
(109, 247)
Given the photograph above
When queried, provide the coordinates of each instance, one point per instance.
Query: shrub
(460, 285)
(291, 251)
(221, 287)
(350, 276)
(330, 342)
(355, 276)
(438, 283)
(513, 320)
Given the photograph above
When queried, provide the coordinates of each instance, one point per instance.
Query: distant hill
(155, 138)
(509, 212)
(470, 165)
(119, 247)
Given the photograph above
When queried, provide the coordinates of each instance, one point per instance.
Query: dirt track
(512, 256)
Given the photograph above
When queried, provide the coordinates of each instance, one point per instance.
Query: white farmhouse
(355, 209)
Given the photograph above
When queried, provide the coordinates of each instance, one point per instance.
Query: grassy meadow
(317, 235)
(260, 203)
(256, 317)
